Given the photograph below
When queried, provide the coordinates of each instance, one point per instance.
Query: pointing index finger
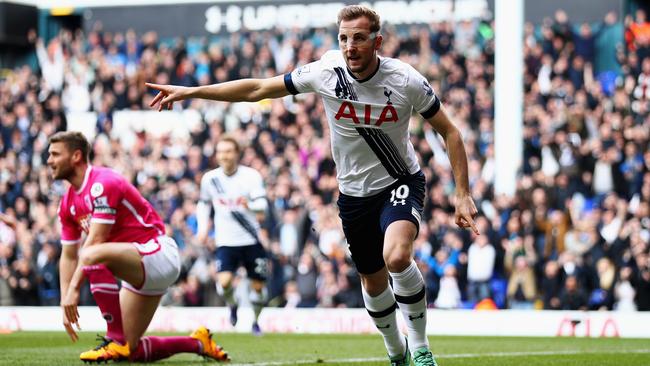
(155, 86)
(471, 223)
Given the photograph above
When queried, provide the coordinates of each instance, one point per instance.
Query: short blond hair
(352, 12)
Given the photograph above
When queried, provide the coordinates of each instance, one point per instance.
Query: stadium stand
(575, 236)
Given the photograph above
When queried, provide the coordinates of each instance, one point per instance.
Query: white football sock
(408, 286)
(382, 311)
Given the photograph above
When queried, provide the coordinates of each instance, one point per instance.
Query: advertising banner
(202, 19)
(355, 321)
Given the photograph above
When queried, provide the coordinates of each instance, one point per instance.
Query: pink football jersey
(106, 197)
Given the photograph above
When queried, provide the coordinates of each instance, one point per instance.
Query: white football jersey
(234, 224)
(368, 119)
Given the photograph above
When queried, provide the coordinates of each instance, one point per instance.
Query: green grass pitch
(54, 348)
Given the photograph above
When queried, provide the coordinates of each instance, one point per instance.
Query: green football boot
(423, 357)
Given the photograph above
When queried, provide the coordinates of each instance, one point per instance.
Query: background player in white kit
(369, 100)
(238, 195)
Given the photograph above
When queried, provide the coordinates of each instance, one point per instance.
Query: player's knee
(398, 264)
(397, 259)
(225, 281)
(89, 256)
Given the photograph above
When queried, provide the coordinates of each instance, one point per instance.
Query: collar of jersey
(86, 175)
(369, 76)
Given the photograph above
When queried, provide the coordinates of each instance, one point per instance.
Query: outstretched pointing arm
(243, 90)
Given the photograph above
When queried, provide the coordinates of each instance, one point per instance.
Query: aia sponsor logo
(231, 203)
(347, 111)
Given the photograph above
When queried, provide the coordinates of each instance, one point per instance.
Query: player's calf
(105, 291)
(152, 348)
(258, 297)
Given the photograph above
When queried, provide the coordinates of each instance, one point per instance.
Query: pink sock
(107, 296)
(152, 348)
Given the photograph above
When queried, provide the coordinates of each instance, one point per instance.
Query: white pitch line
(306, 362)
(453, 355)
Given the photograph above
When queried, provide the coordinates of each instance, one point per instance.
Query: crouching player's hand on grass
(71, 313)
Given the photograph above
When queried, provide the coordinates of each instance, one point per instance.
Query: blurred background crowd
(575, 236)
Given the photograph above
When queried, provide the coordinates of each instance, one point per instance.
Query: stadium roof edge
(48, 4)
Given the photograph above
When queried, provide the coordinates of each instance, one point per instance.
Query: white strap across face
(356, 39)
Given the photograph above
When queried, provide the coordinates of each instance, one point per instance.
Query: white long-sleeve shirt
(52, 70)
(480, 262)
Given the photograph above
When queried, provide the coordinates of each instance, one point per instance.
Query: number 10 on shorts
(399, 195)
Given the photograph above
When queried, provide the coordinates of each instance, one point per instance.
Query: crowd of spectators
(575, 235)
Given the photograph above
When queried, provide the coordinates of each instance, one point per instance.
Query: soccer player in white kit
(369, 100)
(238, 195)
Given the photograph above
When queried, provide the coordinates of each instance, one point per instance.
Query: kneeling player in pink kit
(125, 239)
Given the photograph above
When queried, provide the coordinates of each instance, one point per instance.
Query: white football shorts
(161, 263)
